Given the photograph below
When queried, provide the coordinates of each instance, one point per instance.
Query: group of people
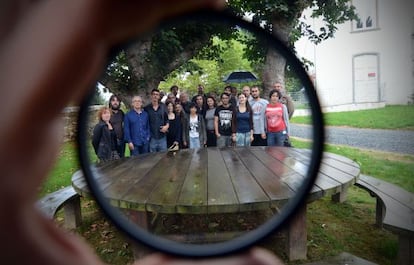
(176, 122)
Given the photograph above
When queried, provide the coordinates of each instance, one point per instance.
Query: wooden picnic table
(211, 181)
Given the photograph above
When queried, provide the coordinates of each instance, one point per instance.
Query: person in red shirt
(277, 120)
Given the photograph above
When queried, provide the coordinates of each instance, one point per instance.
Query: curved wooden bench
(67, 198)
(394, 212)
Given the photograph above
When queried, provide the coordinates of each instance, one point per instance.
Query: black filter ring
(250, 238)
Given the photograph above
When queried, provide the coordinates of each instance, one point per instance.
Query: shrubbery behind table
(212, 181)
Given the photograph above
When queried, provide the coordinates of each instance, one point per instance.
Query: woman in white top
(194, 129)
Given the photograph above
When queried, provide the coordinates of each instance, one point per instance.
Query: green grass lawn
(394, 168)
(390, 117)
(60, 175)
(66, 164)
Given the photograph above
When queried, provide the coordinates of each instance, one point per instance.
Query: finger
(264, 257)
(73, 37)
(125, 20)
(256, 256)
(66, 54)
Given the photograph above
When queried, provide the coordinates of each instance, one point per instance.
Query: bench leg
(405, 250)
(297, 236)
(72, 213)
(379, 212)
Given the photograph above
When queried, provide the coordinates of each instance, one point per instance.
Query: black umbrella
(240, 77)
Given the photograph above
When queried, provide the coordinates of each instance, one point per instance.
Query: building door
(412, 65)
(366, 78)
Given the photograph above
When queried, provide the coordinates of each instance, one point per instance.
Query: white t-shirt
(194, 127)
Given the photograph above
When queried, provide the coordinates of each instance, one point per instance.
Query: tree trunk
(144, 75)
(275, 63)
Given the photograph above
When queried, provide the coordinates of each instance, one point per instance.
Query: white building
(367, 64)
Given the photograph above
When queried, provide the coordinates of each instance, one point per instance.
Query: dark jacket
(174, 133)
(157, 118)
(103, 141)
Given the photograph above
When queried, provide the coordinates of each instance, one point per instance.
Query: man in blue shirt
(158, 118)
(136, 128)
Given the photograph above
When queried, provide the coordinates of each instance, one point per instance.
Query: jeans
(276, 138)
(140, 149)
(194, 142)
(224, 140)
(158, 145)
(243, 139)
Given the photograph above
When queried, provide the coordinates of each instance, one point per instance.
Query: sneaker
(173, 147)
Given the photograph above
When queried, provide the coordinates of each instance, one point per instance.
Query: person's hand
(109, 125)
(255, 256)
(131, 146)
(263, 135)
(164, 129)
(52, 53)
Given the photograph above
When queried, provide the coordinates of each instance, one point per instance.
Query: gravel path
(396, 141)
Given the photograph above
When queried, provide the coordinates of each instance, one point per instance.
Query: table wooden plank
(324, 185)
(221, 194)
(298, 163)
(124, 178)
(344, 178)
(193, 196)
(328, 185)
(290, 160)
(344, 171)
(268, 171)
(79, 184)
(250, 193)
(343, 159)
(333, 160)
(342, 165)
(291, 171)
(332, 167)
(136, 197)
(107, 171)
(163, 198)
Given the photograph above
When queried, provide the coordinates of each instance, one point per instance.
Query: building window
(367, 13)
